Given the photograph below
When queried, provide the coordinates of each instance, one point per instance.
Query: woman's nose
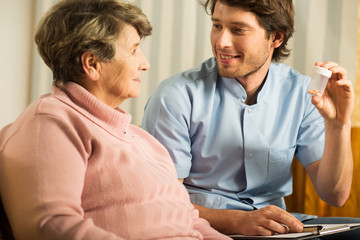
(145, 65)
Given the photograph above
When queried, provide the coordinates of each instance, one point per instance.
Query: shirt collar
(237, 90)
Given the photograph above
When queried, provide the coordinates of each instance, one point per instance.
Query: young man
(234, 124)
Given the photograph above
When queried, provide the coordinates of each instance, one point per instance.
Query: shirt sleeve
(42, 177)
(311, 136)
(167, 118)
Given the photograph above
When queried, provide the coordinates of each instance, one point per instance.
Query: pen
(313, 229)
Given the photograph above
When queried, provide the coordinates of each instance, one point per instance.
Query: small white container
(319, 80)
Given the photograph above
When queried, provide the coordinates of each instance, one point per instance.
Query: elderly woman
(72, 166)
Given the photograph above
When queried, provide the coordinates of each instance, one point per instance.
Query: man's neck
(253, 84)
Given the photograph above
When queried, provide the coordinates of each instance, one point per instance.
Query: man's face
(240, 45)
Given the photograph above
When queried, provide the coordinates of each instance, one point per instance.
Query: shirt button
(249, 110)
(250, 155)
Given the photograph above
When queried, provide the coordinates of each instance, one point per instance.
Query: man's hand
(263, 222)
(268, 220)
(332, 175)
(337, 102)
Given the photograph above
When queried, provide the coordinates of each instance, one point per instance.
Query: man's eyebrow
(243, 24)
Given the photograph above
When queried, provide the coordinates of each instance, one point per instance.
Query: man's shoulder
(205, 72)
(285, 71)
(186, 86)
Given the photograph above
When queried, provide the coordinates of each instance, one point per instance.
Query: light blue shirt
(233, 155)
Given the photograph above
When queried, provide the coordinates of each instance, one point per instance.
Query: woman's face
(120, 78)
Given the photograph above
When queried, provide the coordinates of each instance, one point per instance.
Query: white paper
(295, 235)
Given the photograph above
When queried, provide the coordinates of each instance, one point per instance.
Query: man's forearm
(336, 166)
(218, 218)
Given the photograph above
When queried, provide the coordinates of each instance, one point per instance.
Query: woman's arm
(43, 167)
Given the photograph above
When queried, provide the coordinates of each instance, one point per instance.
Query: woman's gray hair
(72, 27)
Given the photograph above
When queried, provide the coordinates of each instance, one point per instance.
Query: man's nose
(225, 39)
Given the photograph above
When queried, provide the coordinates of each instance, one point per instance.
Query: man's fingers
(281, 217)
(277, 227)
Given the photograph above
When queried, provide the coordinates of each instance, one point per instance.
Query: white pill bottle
(319, 80)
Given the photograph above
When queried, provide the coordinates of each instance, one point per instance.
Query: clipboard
(310, 231)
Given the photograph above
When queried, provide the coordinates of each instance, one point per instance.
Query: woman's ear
(91, 66)
(277, 39)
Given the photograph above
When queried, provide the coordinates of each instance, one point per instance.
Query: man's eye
(238, 30)
(217, 26)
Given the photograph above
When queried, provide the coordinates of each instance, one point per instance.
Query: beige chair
(5, 229)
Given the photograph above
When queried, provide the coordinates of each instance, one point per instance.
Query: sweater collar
(114, 120)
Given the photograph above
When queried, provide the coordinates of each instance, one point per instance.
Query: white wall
(325, 30)
(16, 22)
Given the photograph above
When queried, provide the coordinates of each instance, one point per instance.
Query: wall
(16, 23)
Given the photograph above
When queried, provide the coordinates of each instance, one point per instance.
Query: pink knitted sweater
(71, 167)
